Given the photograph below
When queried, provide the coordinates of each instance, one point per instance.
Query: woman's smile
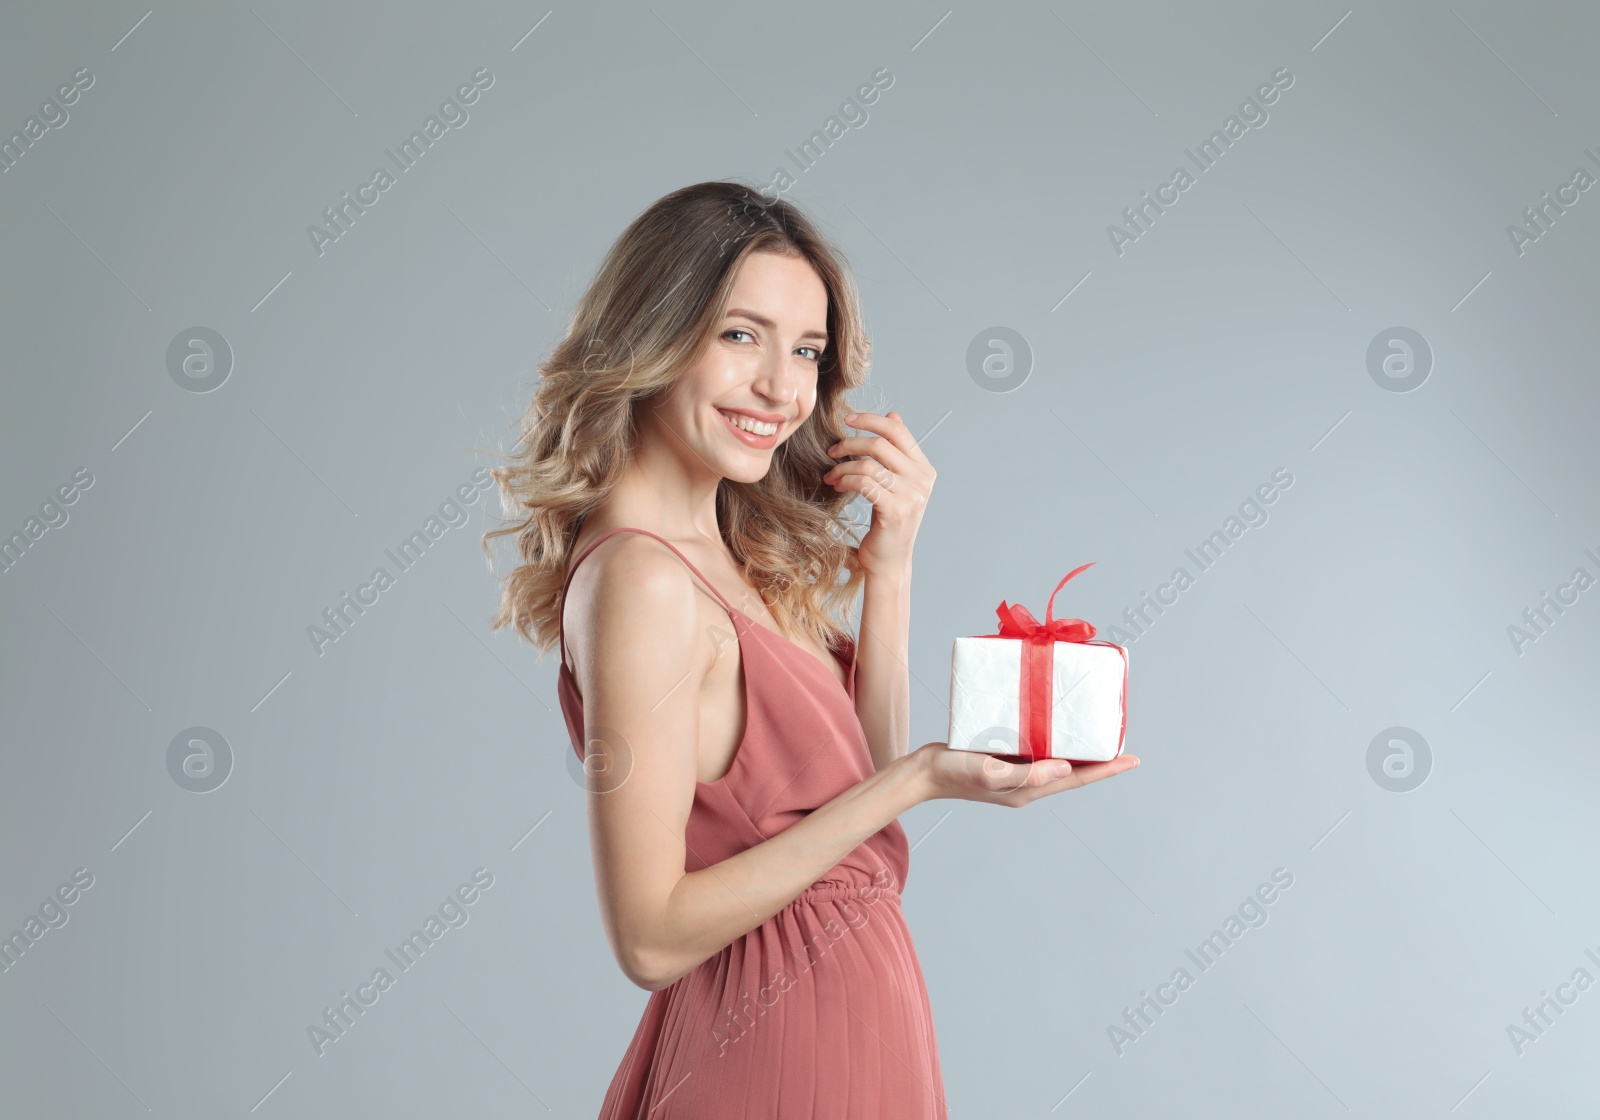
(749, 430)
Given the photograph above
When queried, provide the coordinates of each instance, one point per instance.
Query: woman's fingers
(893, 431)
(1085, 772)
(988, 777)
(870, 479)
(1046, 777)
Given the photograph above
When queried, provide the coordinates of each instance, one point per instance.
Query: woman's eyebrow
(763, 321)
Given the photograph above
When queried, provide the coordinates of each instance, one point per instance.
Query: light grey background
(367, 782)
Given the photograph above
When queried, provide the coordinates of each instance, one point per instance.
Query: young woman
(683, 471)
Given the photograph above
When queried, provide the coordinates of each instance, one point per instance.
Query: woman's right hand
(976, 776)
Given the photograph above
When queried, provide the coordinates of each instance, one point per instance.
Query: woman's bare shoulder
(629, 593)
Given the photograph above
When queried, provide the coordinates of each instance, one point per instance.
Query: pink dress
(822, 1010)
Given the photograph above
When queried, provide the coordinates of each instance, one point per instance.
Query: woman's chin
(747, 475)
(751, 467)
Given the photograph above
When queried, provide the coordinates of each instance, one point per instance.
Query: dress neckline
(847, 687)
(748, 687)
(849, 669)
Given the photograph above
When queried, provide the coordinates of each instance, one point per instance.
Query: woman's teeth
(754, 427)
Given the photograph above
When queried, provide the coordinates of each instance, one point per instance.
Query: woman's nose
(776, 382)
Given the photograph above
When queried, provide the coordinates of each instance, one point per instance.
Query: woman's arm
(883, 674)
(642, 713)
(707, 910)
(894, 475)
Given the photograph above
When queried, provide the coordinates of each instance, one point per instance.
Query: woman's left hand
(896, 478)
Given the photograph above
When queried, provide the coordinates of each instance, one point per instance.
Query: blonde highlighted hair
(653, 306)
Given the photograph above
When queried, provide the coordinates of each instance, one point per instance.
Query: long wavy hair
(652, 308)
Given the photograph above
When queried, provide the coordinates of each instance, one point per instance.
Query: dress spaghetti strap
(561, 609)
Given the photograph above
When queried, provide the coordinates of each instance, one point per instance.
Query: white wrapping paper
(1088, 698)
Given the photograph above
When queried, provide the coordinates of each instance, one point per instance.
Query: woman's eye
(815, 353)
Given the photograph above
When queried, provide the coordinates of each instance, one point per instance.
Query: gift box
(1036, 689)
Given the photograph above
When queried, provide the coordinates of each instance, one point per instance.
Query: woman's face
(761, 367)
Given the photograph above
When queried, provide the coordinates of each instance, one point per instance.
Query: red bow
(1038, 664)
(1016, 621)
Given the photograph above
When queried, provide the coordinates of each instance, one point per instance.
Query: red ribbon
(1038, 666)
